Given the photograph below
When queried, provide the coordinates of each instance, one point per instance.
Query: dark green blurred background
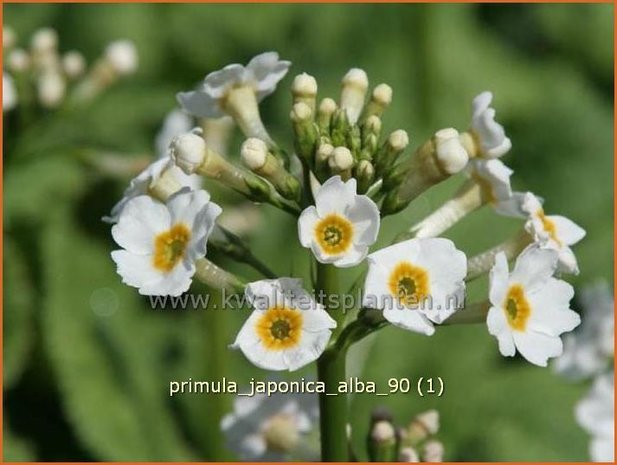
(86, 384)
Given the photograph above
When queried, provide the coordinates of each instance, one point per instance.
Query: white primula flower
(416, 282)
(262, 74)
(287, 328)
(588, 350)
(341, 225)
(529, 307)
(270, 428)
(596, 414)
(553, 232)
(161, 241)
(489, 134)
(9, 93)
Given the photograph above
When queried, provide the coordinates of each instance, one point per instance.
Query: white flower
(529, 307)
(122, 56)
(9, 93)
(261, 74)
(493, 177)
(269, 428)
(588, 350)
(287, 328)
(341, 225)
(490, 135)
(160, 242)
(596, 414)
(175, 124)
(416, 282)
(73, 64)
(553, 232)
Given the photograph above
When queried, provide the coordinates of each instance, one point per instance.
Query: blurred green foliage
(86, 363)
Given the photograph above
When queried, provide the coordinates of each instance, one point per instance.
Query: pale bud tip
(301, 112)
(327, 106)
(382, 94)
(188, 151)
(365, 168)
(44, 40)
(373, 123)
(324, 151)
(408, 455)
(51, 89)
(73, 64)
(341, 159)
(399, 140)
(356, 77)
(254, 153)
(430, 420)
(122, 56)
(383, 431)
(304, 85)
(450, 152)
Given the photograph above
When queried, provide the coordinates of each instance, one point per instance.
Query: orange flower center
(280, 328)
(517, 308)
(333, 234)
(409, 284)
(170, 246)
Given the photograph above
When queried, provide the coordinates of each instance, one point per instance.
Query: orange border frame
(2, 2)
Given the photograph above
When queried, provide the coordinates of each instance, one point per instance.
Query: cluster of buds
(41, 74)
(414, 443)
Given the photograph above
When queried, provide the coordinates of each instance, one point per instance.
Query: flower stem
(333, 409)
(331, 370)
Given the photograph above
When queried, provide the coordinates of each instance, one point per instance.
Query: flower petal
(412, 320)
(142, 218)
(364, 215)
(534, 266)
(306, 226)
(200, 104)
(498, 279)
(568, 231)
(334, 196)
(537, 348)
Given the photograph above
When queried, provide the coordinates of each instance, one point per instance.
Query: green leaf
(18, 314)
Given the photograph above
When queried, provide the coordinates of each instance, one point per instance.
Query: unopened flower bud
(281, 433)
(450, 152)
(436, 160)
(122, 56)
(304, 130)
(422, 426)
(73, 64)
(382, 442)
(395, 145)
(188, 151)
(50, 89)
(304, 89)
(373, 124)
(18, 60)
(408, 455)
(44, 41)
(341, 161)
(256, 156)
(355, 85)
(254, 153)
(326, 109)
(365, 173)
(433, 451)
(380, 100)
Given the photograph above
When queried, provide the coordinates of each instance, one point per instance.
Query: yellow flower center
(409, 284)
(549, 226)
(170, 246)
(517, 308)
(333, 234)
(280, 328)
